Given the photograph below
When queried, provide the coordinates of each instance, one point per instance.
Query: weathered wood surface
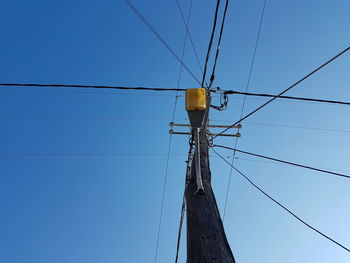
(206, 239)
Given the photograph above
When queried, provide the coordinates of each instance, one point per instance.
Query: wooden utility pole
(206, 239)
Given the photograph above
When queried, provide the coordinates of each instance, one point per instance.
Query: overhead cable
(59, 155)
(171, 135)
(212, 77)
(227, 92)
(183, 206)
(86, 86)
(286, 97)
(282, 161)
(37, 116)
(211, 41)
(244, 99)
(189, 34)
(282, 206)
(148, 24)
(287, 89)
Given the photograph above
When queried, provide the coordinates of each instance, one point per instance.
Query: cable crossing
(171, 135)
(225, 92)
(283, 206)
(289, 88)
(283, 161)
(189, 34)
(161, 39)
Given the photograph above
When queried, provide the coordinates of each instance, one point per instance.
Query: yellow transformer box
(196, 99)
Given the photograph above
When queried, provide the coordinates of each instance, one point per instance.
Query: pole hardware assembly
(213, 134)
(196, 105)
(239, 126)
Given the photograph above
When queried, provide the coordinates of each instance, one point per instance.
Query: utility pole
(206, 238)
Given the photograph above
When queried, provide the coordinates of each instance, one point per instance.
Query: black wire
(164, 89)
(183, 206)
(86, 86)
(289, 88)
(212, 77)
(270, 162)
(286, 97)
(282, 161)
(189, 35)
(58, 155)
(223, 102)
(211, 41)
(147, 23)
(282, 206)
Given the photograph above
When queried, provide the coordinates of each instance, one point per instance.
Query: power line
(166, 89)
(286, 97)
(183, 206)
(37, 116)
(295, 127)
(274, 163)
(86, 86)
(212, 77)
(283, 207)
(189, 35)
(147, 23)
(171, 135)
(129, 94)
(289, 88)
(70, 92)
(180, 228)
(244, 99)
(282, 161)
(58, 155)
(164, 189)
(210, 41)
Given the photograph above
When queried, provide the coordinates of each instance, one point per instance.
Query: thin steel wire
(287, 89)
(244, 101)
(171, 135)
(189, 35)
(148, 24)
(282, 206)
(283, 161)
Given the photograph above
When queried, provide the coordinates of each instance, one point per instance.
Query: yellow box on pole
(196, 99)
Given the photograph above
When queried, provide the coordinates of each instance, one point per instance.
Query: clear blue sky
(58, 205)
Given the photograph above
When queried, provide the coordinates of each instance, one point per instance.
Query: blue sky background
(59, 205)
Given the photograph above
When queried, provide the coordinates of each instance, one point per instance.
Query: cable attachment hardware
(199, 182)
(223, 101)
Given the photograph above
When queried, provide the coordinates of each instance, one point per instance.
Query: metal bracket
(239, 126)
(200, 188)
(214, 134)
